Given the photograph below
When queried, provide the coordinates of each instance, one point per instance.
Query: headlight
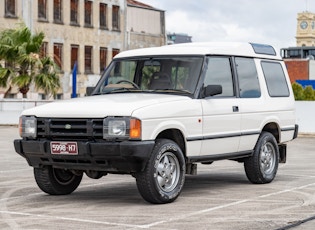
(28, 126)
(117, 128)
(121, 128)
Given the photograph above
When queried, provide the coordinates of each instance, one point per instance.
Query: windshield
(160, 74)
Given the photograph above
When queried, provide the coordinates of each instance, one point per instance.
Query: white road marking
(67, 218)
(145, 226)
(226, 205)
(41, 193)
(287, 190)
(14, 171)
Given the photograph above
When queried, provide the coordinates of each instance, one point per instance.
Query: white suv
(157, 112)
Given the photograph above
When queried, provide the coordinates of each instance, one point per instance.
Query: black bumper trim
(123, 157)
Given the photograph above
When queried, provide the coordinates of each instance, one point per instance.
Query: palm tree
(19, 50)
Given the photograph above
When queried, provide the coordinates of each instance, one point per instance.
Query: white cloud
(269, 21)
(235, 32)
(203, 30)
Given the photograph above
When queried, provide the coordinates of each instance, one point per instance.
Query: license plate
(66, 148)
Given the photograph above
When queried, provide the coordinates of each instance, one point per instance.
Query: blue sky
(264, 21)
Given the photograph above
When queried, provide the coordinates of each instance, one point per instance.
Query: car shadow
(124, 192)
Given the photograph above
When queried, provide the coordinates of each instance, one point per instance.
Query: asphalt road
(219, 197)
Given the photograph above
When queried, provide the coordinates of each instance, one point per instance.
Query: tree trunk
(7, 92)
(24, 91)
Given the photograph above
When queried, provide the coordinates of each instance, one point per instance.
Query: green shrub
(298, 91)
(309, 93)
(300, 94)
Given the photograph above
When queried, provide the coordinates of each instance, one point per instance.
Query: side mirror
(211, 90)
(89, 90)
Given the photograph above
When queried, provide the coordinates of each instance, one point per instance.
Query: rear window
(275, 79)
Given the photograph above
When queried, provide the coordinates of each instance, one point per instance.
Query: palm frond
(22, 80)
(6, 74)
(20, 49)
(50, 83)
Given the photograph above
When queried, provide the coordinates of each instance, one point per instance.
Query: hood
(123, 104)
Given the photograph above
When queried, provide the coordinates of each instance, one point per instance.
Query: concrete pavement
(219, 197)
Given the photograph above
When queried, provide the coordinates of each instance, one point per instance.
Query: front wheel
(262, 167)
(56, 181)
(164, 176)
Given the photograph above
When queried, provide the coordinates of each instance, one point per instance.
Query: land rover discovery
(158, 112)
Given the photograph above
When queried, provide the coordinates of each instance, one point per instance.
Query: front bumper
(119, 157)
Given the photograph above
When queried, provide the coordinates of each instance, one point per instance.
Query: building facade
(88, 33)
(300, 60)
(145, 25)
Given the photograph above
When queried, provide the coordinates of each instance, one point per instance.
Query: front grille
(69, 129)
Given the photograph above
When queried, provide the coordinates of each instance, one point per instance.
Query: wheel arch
(175, 135)
(274, 129)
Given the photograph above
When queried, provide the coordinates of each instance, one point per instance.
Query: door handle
(235, 109)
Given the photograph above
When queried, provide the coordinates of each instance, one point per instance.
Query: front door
(221, 115)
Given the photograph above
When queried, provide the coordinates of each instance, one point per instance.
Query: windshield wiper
(181, 91)
(119, 90)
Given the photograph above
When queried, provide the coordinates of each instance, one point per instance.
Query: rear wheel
(262, 167)
(163, 178)
(56, 181)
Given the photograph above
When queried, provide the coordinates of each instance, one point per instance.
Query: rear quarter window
(275, 79)
(248, 78)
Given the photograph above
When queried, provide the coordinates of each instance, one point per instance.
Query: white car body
(205, 126)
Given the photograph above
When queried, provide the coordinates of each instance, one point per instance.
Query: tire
(56, 181)
(262, 167)
(164, 176)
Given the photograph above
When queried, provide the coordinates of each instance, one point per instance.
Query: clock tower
(305, 32)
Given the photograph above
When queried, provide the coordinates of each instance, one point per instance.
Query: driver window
(219, 73)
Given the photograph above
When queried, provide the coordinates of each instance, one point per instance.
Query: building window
(58, 11)
(88, 59)
(88, 13)
(74, 55)
(42, 10)
(58, 96)
(116, 18)
(103, 58)
(43, 49)
(58, 54)
(74, 12)
(103, 13)
(11, 95)
(42, 96)
(10, 8)
(115, 52)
